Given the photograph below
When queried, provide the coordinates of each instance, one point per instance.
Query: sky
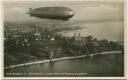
(83, 11)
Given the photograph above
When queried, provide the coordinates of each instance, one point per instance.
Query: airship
(57, 13)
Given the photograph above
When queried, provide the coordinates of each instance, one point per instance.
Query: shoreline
(63, 58)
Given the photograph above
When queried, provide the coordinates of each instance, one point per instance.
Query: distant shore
(63, 58)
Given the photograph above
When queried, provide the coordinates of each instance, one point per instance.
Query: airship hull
(60, 13)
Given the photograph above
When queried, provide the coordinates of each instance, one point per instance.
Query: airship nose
(71, 13)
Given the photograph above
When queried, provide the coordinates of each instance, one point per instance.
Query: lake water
(110, 30)
(111, 65)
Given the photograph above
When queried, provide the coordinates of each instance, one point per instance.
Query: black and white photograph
(63, 38)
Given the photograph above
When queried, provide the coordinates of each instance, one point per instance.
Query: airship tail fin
(30, 10)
